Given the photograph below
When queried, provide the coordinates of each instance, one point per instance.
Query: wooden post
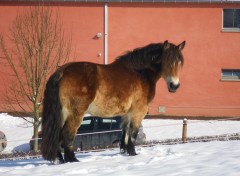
(184, 131)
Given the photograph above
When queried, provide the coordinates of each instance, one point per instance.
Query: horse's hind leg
(60, 159)
(68, 135)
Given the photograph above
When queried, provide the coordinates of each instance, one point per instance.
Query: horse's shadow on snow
(35, 162)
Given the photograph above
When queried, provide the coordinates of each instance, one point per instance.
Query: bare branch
(39, 47)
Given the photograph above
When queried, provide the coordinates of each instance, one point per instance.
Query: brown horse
(122, 88)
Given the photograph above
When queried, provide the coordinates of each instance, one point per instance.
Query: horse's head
(170, 62)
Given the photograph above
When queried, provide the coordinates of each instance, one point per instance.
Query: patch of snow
(17, 131)
(209, 158)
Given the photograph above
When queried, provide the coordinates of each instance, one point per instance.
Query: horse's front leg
(133, 132)
(130, 126)
(123, 147)
(129, 136)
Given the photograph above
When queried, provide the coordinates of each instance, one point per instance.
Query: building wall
(132, 25)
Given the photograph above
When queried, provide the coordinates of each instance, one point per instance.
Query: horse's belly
(109, 108)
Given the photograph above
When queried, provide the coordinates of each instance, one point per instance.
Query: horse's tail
(51, 118)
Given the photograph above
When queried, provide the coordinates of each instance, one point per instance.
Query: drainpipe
(105, 33)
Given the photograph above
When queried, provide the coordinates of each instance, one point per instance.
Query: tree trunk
(35, 134)
(36, 126)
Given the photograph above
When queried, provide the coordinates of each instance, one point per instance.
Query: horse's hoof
(58, 161)
(132, 154)
(122, 151)
(71, 160)
(75, 160)
(131, 150)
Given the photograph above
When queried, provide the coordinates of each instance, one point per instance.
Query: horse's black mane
(150, 56)
(141, 58)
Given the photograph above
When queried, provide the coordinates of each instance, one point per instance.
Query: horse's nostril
(173, 87)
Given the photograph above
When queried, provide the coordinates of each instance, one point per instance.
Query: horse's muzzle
(172, 87)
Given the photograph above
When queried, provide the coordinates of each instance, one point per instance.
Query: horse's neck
(147, 75)
(151, 78)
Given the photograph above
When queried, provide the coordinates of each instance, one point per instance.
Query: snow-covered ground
(211, 158)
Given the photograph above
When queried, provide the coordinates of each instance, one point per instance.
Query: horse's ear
(181, 46)
(166, 45)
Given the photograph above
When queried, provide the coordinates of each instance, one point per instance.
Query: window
(231, 20)
(86, 122)
(109, 124)
(230, 75)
